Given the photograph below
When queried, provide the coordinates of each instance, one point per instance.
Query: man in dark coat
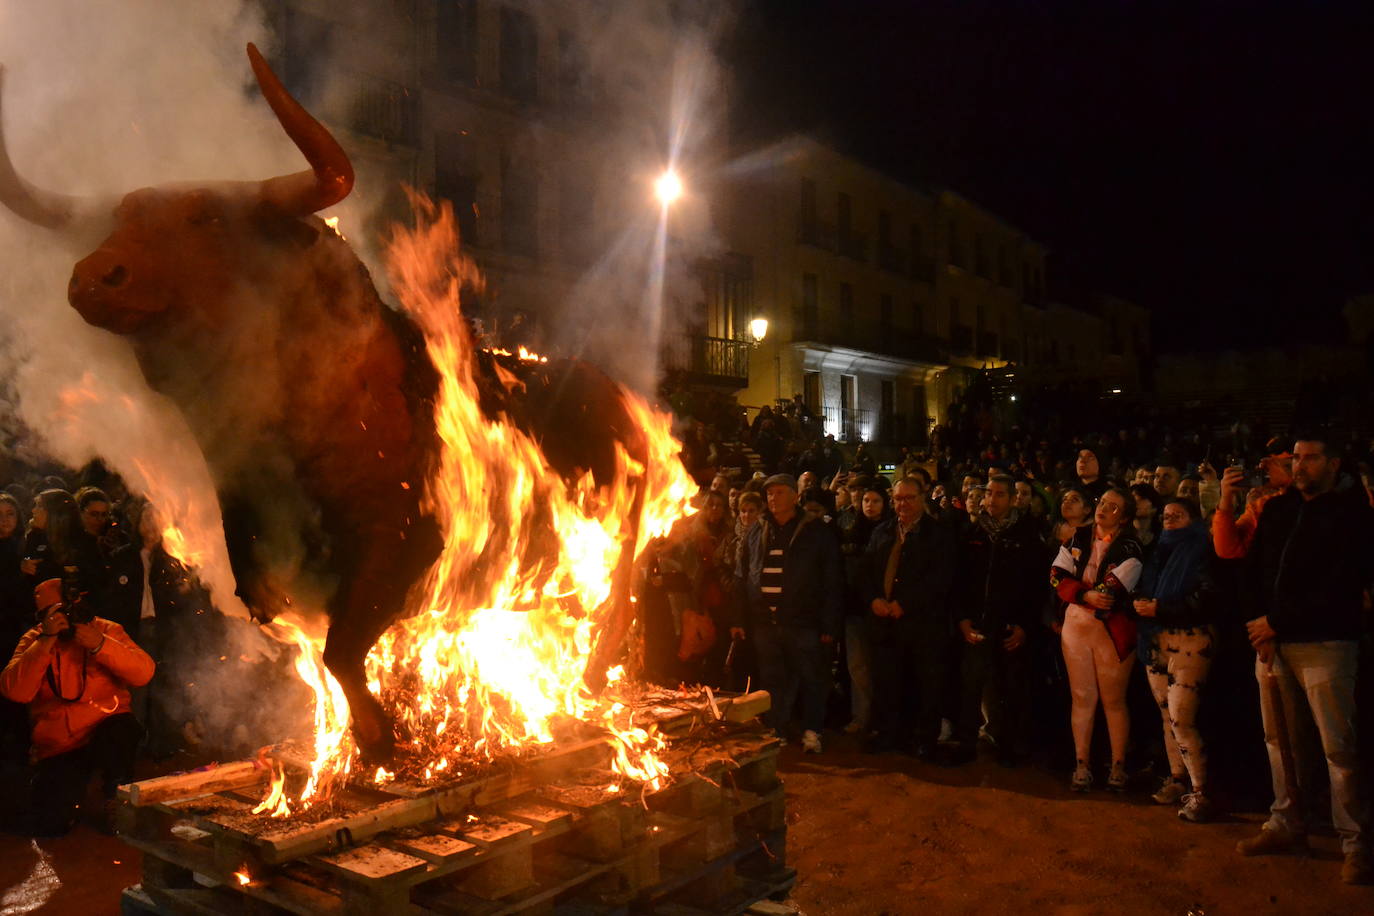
(790, 588)
(999, 589)
(911, 572)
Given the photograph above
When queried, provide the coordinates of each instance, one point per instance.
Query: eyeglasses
(1175, 516)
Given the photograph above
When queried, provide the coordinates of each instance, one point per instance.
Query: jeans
(997, 682)
(857, 658)
(908, 653)
(793, 664)
(1321, 677)
(59, 782)
(1177, 670)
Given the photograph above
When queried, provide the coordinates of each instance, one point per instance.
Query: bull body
(310, 398)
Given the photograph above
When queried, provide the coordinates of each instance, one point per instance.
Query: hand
(827, 639)
(1015, 639)
(894, 610)
(54, 623)
(89, 636)
(28, 566)
(881, 608)
(1260, 631)
(1098, 601)
(1058, 627)
(737, 632)
(1146, 607)
(1266, 652)
(1232, 481)
(1207, 472)
(969, 633)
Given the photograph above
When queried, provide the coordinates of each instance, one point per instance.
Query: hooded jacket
(94, 685)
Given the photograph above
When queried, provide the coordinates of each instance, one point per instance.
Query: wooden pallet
(547, 837)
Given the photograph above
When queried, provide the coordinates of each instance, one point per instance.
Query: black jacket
(1001, 583)
(812, 575)
(177, 596)
(1310, 562)
(925, 569)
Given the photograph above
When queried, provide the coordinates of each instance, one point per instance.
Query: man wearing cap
(74, 671)
(790, 584)
(1088, 467)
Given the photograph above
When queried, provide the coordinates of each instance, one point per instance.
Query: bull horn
(42, 208)
(330, 176)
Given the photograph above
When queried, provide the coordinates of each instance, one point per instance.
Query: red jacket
(61, 725)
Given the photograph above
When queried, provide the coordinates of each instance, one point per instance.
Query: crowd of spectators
(93, 610)
(1022, 579)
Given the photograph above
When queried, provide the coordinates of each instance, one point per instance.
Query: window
(519, 55)
(884, 228)
(454, 182)
(918, 318)
(956, 251)
(808, 202)
(844, 217)
(811, 392)
(885, 315)
(980, 256)
(847, 304)
(456, 29)
(811, 307)
(953, 314)
(519, 207)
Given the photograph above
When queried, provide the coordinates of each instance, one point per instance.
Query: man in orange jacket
(74, 671)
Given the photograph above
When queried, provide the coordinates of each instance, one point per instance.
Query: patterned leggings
(1177, 670)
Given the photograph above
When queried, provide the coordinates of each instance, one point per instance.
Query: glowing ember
(333, 223)
(243, 878)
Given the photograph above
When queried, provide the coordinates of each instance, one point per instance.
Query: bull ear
(330, 176)
(43, 208)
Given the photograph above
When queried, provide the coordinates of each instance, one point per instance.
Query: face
(1143, 475)
(714, 511)
(1166, 480)
(1111, 511)
(1188, 489)
(872, 505)
(748, 514)
(734, 498)
(39, 517)
(95, 518)
(841, 498)
(975, 502)
(969, 483)
(1087, 465)
(1072, 507)
(782, 501)
(1313, 472)
(1144, 509)
(806, 481)
(721, 484)
(908, 500)
(1023, 495)
(150, 527)
(997, 500)
(1176, 517)
(9, 520)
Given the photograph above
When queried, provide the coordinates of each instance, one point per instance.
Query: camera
(76, 607)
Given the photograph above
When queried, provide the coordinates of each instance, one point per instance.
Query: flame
(333, 223)
(528, 356)
(274, 803)
(243, 877)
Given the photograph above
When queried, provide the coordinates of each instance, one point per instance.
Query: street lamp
(759, 329)
(668, 187)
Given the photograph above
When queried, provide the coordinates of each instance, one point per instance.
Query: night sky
(1214, 166)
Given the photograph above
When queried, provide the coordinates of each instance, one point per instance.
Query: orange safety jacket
(93, 685)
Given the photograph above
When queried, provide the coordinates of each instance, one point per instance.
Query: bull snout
(100, 290)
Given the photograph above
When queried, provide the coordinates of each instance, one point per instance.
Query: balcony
(853, 246)
(816, 234)
(904, 345)
(891, 258)
(709, 360)
(849, 424)
(384, 110)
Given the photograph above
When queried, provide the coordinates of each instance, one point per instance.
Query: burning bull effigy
(473, 519)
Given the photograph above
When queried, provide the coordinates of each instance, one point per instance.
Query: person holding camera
(74, 671)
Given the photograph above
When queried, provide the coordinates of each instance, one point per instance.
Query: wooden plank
(370, 864)
(197, 782)
(542, 817)
(438, 848)
(490, 830)
(288, 844)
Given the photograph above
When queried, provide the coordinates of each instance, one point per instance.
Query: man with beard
(1310, 564)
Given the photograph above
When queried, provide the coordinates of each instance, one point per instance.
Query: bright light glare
(668, 187)
(759, 328)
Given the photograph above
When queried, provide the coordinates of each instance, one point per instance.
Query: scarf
(1174, 563)
(996, 528)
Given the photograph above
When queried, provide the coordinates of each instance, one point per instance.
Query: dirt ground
(890, 835)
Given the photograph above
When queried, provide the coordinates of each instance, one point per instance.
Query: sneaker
(1117, 779)
(855, 728)
(1358, 868)
(1170, 792)
(1082, 779)
(811, 742)
(1272, 840)
(1196, 808)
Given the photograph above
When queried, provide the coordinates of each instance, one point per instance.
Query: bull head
(118, 286)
